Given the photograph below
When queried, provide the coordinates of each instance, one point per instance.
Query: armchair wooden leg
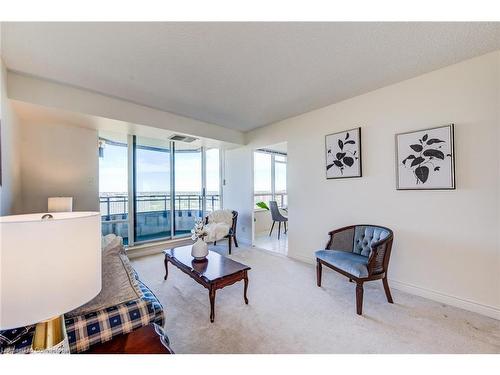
(235, 241)
(229, 242)
(279, 229)
(318, 272)
(286, 229)
(387, 290)
(359, 298)
(215, 243)
(271, 231)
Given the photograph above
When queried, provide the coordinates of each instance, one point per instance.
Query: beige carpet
(288, 313)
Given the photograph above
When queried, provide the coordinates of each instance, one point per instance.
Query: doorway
(271, 198)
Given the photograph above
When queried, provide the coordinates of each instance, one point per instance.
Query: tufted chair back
(371, 241)
(365, 236)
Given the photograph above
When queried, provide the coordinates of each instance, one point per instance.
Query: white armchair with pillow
(221, 224)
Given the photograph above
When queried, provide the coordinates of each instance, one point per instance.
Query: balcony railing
(154, 215)
(280, 198)
(118, 204)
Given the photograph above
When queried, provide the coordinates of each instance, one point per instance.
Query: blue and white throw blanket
(99, 326)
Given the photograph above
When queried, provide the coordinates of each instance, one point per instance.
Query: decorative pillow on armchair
(119, 284)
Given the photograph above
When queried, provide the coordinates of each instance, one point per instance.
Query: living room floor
(288, 313)
(272, 243)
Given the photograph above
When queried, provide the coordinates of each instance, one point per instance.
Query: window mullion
(273, 175)
(131, 188)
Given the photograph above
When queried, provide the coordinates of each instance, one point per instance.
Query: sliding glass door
(188, 202)
(113, 191)
(152, 190)
(212, 180)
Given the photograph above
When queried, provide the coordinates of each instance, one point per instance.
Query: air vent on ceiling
(182, 138)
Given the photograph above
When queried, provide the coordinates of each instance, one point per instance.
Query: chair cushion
(351, 263)
(365, 236)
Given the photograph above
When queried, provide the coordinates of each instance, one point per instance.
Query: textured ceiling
(239, 75)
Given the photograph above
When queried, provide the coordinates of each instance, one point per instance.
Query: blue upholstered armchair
(359, 252)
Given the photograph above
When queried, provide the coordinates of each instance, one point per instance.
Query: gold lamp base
(49, 333)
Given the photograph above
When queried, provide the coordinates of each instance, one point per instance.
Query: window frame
(273, 173)
(131, 145)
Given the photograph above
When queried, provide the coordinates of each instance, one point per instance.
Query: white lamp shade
(47, 267)
(60, 204)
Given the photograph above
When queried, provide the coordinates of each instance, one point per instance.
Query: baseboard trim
(461, 303)
(302, 258)
(433, 295)
(156, 247)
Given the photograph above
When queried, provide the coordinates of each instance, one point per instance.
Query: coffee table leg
(245, 279)
(166, 268)
(212, 304)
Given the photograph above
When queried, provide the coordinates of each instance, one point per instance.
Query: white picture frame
(425, 159)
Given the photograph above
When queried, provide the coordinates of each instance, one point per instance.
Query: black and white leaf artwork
(348, 161)
(424, 155)
(427, 155)
(342, 154)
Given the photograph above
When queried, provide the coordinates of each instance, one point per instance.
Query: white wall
(262, 221)
(50, 94)
(59, 160)
(446, 242)
(10, 189)
(238, 190)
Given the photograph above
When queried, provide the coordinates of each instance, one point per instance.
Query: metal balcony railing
(154, 214)
(280, 198)
(116, 205)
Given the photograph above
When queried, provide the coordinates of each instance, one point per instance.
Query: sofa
(116, 310)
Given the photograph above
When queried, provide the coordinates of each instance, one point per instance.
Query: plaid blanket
(101, 326)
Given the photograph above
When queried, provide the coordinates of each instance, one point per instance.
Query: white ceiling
(239, 75)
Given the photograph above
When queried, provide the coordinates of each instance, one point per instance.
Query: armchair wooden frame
(378, 264)
(232, 231)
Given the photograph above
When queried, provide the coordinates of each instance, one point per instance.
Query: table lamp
(49, 264)
(60, 204)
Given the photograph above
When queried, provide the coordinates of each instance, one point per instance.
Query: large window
(188, 188)
(280, 194)
(113, 182)
(270, 177)
(171, 185)
(152, 190)
(212, 192)
(262, 182)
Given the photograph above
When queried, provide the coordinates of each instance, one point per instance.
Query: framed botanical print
(425, 159)
(343, 154)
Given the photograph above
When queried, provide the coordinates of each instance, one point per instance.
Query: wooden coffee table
(214, 272)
